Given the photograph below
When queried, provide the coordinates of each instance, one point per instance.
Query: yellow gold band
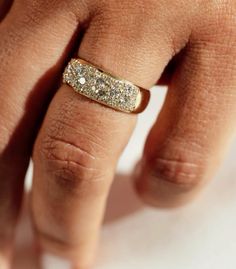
(104, 88)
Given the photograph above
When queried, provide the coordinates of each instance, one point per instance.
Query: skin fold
(75, 143)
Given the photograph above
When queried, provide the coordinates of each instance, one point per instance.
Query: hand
(188, 45)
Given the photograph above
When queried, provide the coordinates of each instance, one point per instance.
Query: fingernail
(49, 261)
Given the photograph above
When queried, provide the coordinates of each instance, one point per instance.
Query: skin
(188, 45)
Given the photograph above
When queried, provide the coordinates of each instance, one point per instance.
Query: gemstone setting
(100, 86)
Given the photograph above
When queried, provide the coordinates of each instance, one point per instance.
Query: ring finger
(78, 146)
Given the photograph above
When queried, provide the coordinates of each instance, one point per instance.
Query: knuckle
(70, 164)
(67, 156)
(178, 169)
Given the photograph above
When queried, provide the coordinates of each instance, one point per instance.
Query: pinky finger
(196, 124)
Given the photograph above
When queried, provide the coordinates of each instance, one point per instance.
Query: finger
(197, 122)
(27, 76)
(80, 141)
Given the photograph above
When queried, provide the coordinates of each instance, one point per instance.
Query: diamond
(100, 83)
(82, 81)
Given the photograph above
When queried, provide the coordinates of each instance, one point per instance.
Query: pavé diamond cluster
(100, 86)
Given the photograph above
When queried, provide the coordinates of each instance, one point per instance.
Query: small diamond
(82, 81)
(102, 93)
(79, 69)
(101, 83)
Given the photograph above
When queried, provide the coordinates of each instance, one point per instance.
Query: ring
(104, 88)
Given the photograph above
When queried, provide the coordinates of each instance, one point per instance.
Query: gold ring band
(104, 88)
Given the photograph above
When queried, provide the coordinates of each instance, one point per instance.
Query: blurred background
(201, 235)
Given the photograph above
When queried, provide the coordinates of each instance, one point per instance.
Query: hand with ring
(74, 75)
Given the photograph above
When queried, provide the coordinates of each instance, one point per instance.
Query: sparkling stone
(101, 83)
(99, 86)
(102, 93)
(82, 81)
(79, 69)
